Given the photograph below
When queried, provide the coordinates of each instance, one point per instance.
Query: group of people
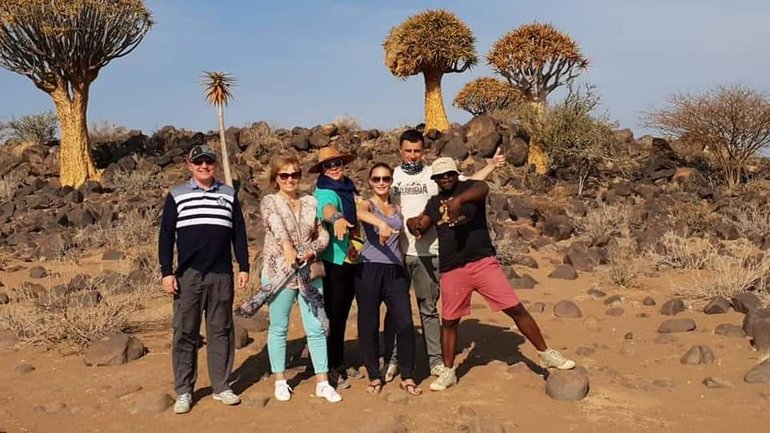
(423, 227)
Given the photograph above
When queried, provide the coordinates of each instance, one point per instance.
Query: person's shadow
(489, 343)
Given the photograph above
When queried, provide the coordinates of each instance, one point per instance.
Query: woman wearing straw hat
(336, 196)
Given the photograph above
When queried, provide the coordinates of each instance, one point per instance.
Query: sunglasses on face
(444, 175)
(204, 160)
(296, 175)
(381, 179)
(334, 163)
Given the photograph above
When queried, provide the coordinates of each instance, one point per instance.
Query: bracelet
(336, 216)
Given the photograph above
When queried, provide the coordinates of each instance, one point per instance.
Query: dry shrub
(751, 218)
(604, 220)
(681, 252)
(134, 229)
(135, 181)
(346, 124)
(730, 275)
(107, 132)
(698, 218)
(624, 262)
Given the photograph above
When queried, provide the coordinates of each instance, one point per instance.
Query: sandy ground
(637, 384)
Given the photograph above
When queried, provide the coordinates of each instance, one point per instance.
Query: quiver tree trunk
(537, 155)
(223, 145)
(435, 115)
(77, 165)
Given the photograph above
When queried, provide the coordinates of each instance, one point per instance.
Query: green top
(337, 249)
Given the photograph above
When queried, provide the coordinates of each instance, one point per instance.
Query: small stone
(751, 317)
(564, 272)
(676, 325)
(527, 261)
(672, 307)
(567, 385)
(648, 301)
(114, 349)
(150, 402)
(24, 369)
(614, 300)
(596, 293)
(761, 337)
(744, 302)
(567, 310)
(537, 307)
(729, 330)
(715, 383)
(759, 374)
(629, 336)
(615, 311)
(698, 355)
(4, 299)
(718, 305)
(38, 272)
(256, 399)
(241, 336)
(663, 383)
(524, 282)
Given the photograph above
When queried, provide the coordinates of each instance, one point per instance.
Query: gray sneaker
(353, 373)
(183, 403)
(445, 380)
(339, 380)
(552, 358)
(227, 397)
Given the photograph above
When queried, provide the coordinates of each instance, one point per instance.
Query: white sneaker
(445, 380)
(552, 358)
(282, 390)
(183, 403)
(437, 370)
(324, 390)
(227, 397)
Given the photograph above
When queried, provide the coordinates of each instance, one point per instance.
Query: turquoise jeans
(280, 309)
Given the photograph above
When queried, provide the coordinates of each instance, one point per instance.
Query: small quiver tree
(485, 95)
(217, 87)
(61, 46)
(432, 43)
(537, 59)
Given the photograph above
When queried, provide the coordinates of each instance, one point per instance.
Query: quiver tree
(61, 46)
(484, 95)
(432, 43)
(731, 122)
(537, 59)
(217, 87)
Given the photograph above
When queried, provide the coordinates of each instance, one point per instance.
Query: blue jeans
(280, 309)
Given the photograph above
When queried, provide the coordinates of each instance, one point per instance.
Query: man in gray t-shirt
(412, 187)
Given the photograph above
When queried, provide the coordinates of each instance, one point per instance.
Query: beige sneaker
(437, 370)
(445, 380)
(227, 397)
(183, 403)
(552, 358)
(391, 372)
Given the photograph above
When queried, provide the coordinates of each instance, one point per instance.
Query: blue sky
(305, 62)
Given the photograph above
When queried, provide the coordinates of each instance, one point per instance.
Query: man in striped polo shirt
(204, 218)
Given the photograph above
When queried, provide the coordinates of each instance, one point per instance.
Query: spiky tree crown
(537, 58)
(432, 40)
(54, 42)
(216, 87)
(484, 95)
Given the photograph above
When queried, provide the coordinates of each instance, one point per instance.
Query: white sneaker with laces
(552, 358)
(282, 390)
(227, 397)
(183, 403)
(445, 380)
(437, 370)
(324, 390)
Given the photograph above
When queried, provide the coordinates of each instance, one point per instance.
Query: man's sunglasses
(296, 175)
(444, 175)
(334, 163)
(378, 179)
(206, 160)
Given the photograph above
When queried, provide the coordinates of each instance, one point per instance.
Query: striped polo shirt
(204, 223)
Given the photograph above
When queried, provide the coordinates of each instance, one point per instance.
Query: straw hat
(329, 154)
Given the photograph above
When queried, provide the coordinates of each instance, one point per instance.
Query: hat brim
(345, 157)
(210, 156)
(434, 176)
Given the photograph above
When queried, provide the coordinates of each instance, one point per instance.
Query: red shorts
(484, 276)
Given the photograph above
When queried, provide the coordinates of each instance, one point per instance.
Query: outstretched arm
(419, 224)
(364, 213)
(476, 193)
(495, 162)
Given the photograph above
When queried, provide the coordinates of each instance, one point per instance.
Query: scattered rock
(541, 244)
(524, 282)
(114, 349)
(676, 325)
(567, 310)
(718, 305)
(629, 336)
(759, 374)
(256, 399)
(715, 383)
(751, 317)
(383, 424)
(648, 301)
(4, 299)
(761, 337)
(527, 261)
(614, 300)
(615, 311)
(596, 293)
(698, 355)
(672, 307)
(564, 272)
(86, 298)
(24, 369)
(558, 227)
(38, 272)
(537, 307)
(241, 336)
(569, 385)
(744, 302)
(577, 256)
(150, 402)
(729, 330)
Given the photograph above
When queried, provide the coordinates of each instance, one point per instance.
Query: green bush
(36, 128)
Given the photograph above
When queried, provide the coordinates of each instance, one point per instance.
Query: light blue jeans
(280, 309)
